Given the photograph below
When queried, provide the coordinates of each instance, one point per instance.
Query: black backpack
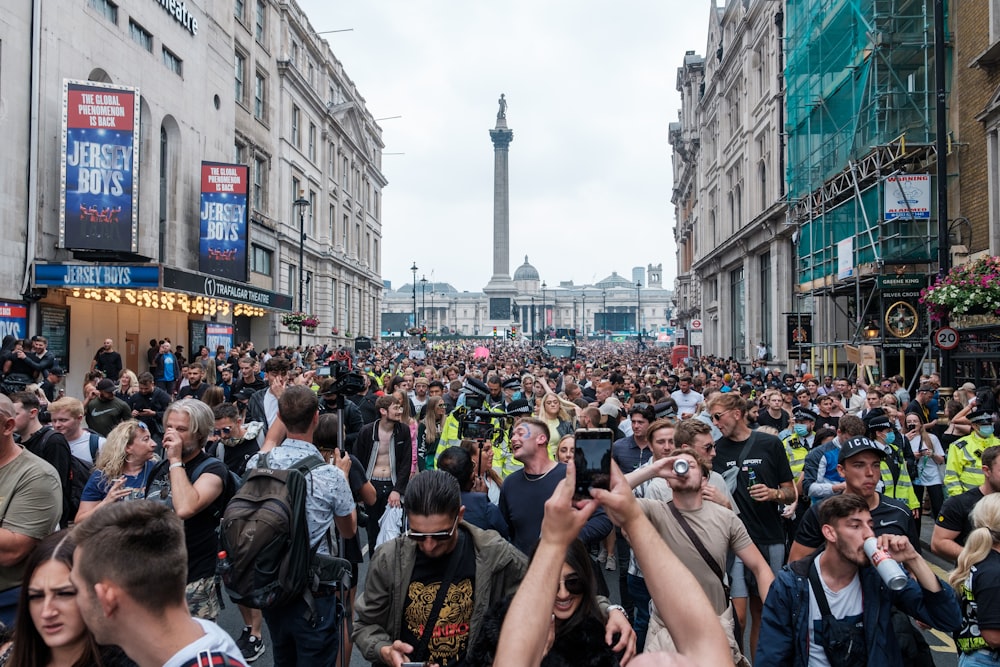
(79, 473)
(265, 536)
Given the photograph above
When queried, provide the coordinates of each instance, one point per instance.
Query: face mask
(986, 431)
(890, 438)
(801, 430)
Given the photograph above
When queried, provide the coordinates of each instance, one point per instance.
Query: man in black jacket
(385, 448)
(148, 405)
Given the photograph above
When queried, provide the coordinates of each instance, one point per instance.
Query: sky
(590, 90)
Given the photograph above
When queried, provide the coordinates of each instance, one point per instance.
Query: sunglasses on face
(224, 431)
(573, 584)
(439, 536)
(718, 415)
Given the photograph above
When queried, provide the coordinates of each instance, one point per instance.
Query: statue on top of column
(502, 113)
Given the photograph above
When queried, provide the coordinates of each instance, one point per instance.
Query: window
(173, 63)
(307, 293)
(375, 257)
(331, 162)
(239, 10)
(296, 193)
(105, 8)
(312, 75)
(260, 97)
(295, 128)
(260, 260)
(335, 297)
(766, 330)
(259, 176)
(343, 233)
(140, 35)
(357, 240)
(293, 286)
(260, 21)
(331, 222)
(345, 174)
(312, 214)
(737, 306)
(295, 53)
(241, 76)
(312, 142)
(238, 152)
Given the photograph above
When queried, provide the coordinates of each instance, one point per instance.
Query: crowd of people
(741, 493)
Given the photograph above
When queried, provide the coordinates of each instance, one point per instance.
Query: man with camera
(297, 636)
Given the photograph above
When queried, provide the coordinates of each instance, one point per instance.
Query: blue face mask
(986, 431)
(890, 438)
(801, 430)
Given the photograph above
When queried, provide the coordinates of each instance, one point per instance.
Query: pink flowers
(968, 288)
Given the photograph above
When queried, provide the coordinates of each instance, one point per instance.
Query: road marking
(947, 644)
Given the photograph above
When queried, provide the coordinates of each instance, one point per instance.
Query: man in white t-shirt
(854, 592)
(67, 418)
(686, 398)
(130, 588)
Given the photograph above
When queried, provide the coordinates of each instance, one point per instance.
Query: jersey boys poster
(222, 250)
(100, 167)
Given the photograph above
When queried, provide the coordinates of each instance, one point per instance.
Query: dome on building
(615, 280)
(526, 271)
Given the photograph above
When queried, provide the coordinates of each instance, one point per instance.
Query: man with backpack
(197, 487)
(45, 443)
(305, 628)
(67, 418)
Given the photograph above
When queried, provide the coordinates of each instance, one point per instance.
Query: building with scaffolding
(861, 150)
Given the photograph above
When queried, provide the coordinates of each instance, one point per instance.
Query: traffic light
(513, 333)
(423, 334)
(494, 332)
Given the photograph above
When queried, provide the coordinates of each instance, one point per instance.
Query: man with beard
(148, 405)
(796, 631)
(195, 387)
(757, 472)
(196, 486)
(104, 410)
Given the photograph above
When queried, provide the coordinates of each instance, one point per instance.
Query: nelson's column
(501, 290)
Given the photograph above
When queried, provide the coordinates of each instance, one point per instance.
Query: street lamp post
(604, 295)
(423, 301)
(545, 321)
(638, 315)
(301, 204)
(584, 316)
(534, 321)
(414, 269)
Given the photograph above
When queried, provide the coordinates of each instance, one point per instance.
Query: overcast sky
(590, 92)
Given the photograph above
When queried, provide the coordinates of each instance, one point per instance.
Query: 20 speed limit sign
(946, 338)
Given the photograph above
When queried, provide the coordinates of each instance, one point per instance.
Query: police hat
(511, 383)
(877, 420)
(519, 407)
(665, 409)
(979, 416)
(804, 414)
(477, 387)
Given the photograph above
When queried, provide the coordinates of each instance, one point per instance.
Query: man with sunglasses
(760, 479)
(427, 591)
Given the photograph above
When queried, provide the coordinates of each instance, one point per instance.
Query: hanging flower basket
(348, 335)
(295, 321)
(334, 331)
(967, 289)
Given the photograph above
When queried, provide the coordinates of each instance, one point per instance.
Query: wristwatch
(179, 464)
(619, 608)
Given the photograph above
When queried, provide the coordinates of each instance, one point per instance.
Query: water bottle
(222, 565)
(681, 467)
(751, 477)
(892, 573)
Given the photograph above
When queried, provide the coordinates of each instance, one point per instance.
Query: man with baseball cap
(104, 410)
(860, 463)
(964, 468)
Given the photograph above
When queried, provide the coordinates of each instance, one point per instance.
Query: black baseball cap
(858, 445)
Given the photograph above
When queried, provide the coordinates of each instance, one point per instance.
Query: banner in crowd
(99, 167)
(222, 250)
(218, 334)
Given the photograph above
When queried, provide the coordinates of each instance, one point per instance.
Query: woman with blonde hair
(122, 468)
(429, 432)
(407, 420)
(128, 384)
(974, 580)
(555, 416)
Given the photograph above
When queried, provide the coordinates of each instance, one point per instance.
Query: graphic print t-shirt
(450, 637)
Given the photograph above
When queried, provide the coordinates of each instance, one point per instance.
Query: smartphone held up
(593, 460)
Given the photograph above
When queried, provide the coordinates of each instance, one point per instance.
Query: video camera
(345, 381)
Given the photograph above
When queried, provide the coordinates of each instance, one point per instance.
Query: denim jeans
(981, 658)
(298, 642)
(641, 599)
